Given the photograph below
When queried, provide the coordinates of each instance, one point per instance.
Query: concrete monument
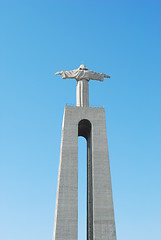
(90, 123)
(83, 76)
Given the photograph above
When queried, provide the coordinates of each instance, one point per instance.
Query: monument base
(89, 123)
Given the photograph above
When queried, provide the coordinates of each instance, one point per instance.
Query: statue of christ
(83, 76)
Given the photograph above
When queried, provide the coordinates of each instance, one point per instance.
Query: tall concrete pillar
(82, 93)
(89, 123)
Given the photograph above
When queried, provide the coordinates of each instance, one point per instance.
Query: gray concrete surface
(90, 123)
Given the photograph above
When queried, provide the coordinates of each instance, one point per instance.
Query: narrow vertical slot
(82, 188)
(84, 130)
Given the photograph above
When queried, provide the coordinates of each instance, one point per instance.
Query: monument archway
(85, 130)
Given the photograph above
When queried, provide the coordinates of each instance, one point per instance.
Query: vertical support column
(82, 93)
(103, 212)
(66, 213)
(78, 94)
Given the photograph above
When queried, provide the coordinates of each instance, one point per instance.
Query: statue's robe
(83, 76)
(79, 74)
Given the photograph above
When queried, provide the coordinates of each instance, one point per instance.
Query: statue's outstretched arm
(67, 74)
(97, 76)
(106, 76)
(59, 73)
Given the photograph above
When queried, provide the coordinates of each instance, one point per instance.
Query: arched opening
(84, 130)
(82, 188)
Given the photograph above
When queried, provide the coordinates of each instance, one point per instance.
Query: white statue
(83, 75)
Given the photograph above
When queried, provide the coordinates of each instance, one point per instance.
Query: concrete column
(78, 94)
(66, 213)
(103, 212)
(82, 93)
(100, 212)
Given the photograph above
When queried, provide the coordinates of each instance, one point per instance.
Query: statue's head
(82, 67)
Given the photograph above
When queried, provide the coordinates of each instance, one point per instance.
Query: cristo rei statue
(82, 76)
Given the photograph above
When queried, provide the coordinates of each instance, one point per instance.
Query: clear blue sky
(119, 38)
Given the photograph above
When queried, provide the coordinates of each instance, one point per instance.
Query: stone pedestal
(89, 123)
